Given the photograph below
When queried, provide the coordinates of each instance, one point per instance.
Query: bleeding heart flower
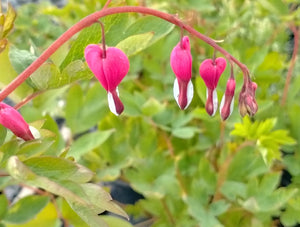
(227, 103)
(13, 120)
(109, 68)
(181, 64)
(210, 70)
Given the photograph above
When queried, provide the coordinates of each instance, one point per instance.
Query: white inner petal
(222, 103)
(190, 93)
(111, 102)
(176, 90)
(231, 105)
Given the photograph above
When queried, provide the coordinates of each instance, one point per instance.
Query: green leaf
(7, 69)
(115, 27)
(46, 218)
(89, 142)
(3, 206)
(233, 190)
(156, 26)
(89, 35)
(100, 198)
(19, 212)
(290, 217)
(135, 43)
(43, 75)
(219, 207)
(83, 112)
(8, 149)
(73, 106)
(115, 222)
(184, 132)
(59, 168)
(86, 213)
(20, 59)
(269, 203)
(82, 174)
(34, 147)
(82, 207)
(51, 167)
(203, 216)
(152, 106)
(69, 214)
(74, 71)
(275, 6)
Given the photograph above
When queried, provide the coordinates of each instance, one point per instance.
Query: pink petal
(115, 67)
(230, 87)
(110, 70)
(226, 106)
(181, 60)
(93, 57)
(211, 71)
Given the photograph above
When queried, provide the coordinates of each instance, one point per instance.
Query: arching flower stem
(93, 18)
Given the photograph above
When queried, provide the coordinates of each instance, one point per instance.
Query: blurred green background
(189, 169)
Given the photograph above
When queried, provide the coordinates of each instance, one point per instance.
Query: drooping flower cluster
(13, 120)
(210, 71)
(110, 65)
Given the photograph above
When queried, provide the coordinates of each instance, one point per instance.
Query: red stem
(103, 39)
(92, 18)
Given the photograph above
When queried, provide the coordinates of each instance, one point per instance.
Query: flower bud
(13, 120)
(210, 71)
(181, 64)
(109, 68)
(247, 102)
(227, 103)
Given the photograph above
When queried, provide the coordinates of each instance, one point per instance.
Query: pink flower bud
(181, 64)
(13, 120)
(247, 102)
(210, 71)
(227, 103)
(109, 70)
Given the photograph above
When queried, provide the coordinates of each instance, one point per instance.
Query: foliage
(192, 170)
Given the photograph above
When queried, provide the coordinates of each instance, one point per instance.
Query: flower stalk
(93, 18)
